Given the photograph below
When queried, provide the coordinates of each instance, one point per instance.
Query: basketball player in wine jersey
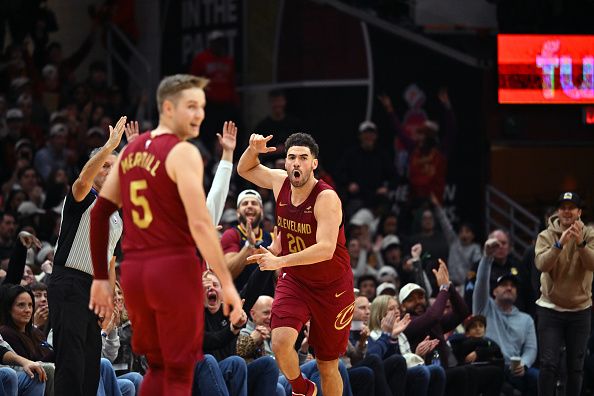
(316, 282)
(158, 185)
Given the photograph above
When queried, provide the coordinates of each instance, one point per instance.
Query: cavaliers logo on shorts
(344, 317)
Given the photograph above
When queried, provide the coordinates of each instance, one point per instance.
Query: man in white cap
(242, 240)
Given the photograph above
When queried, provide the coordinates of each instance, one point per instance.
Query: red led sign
(545, 68)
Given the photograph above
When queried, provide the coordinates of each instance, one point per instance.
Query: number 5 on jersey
(140, 201)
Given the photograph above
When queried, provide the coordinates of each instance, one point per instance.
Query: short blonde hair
(171, 86)
(379, 309)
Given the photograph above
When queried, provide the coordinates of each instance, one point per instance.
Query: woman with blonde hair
(386, 339)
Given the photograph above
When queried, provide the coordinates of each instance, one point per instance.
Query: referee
(77, 331)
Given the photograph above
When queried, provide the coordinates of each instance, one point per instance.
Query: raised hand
(116, 133)
(416, 251)
(40, 316)
(386, 103)
(400, 324)
(491, 245)
(251, 235)
(228, 140)
(132, 131)
(258, 143)
(29, 240)
(387, 323)
(577, 229)
(441, 274)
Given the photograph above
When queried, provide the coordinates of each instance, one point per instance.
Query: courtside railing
(505, 213)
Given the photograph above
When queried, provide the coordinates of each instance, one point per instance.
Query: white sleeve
(215, 200)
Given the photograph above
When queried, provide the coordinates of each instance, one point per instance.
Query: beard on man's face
(255, 223)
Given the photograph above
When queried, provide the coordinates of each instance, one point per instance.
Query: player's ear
(167, 106)
(315, 163)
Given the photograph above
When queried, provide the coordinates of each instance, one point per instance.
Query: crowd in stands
(437, 311)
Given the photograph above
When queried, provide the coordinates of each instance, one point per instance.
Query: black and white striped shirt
(73, 248)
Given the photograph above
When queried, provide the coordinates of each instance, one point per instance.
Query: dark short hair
(25, 169)
(366, 278)
(471, 321)
(36, 286)
(305, 140)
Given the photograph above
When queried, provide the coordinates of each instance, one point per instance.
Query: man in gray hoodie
(510, 328)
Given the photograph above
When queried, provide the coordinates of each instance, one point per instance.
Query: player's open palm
(228, 140)
(258, 143)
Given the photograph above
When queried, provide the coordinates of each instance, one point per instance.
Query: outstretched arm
(82, 185)
(215, 200)
(250, 168)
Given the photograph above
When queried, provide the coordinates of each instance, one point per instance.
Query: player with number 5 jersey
(316, 282)
(158, 185)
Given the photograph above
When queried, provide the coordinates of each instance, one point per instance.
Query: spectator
(463, 251)
(218, 65)
(367, 285)
(359, 259)
(412, 270)
(390, 254)
(359, 183)
(386, 326)
(17, 327)
(389, 275)
(511, 329)
(504, 263)
(473, 346)
(433, 321)
(242, 240)
(41, 315)
(55, 155)
(220, 340)
(565, 255)
(433, 242)
(129, 382)
(31, 380)
(7, 235)
(254, 339)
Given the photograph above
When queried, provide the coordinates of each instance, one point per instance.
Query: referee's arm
(83, 184)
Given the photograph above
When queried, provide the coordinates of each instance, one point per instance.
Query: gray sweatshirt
(461, 258)
(513, 331)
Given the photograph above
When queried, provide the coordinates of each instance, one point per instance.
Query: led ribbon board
(545, 68)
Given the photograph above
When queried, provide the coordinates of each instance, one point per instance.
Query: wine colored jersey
(298, 227)
(153, 212)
